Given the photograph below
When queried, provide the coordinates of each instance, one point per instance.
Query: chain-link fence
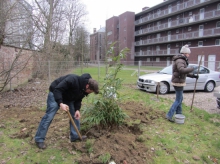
(50, 70)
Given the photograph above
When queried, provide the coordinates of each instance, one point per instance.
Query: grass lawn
(196, 141)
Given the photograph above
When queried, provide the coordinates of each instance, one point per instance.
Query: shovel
(74, 125)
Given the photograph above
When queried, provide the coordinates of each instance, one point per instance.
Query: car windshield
(166, 70)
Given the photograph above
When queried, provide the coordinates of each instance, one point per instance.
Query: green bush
(105, 110)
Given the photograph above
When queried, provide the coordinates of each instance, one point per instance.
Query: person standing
(66, 93)
(180, 72)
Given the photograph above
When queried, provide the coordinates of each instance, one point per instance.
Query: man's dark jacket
(70, 88)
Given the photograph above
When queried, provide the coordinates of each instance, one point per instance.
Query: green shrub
(105, 110)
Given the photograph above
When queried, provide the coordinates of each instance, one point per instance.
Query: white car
(207, 80)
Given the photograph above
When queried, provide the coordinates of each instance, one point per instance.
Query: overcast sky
(101, 10)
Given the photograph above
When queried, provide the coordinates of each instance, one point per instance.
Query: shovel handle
(74, 125)
(196, 83)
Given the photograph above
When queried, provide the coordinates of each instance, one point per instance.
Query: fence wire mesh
(50, 70)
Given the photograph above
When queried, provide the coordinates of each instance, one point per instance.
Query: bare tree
(15, 23)
(52, 32)
(81, 43)
(56, 20)
(44, 21)
(75, 14)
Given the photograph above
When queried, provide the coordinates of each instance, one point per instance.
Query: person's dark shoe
(169, 119)
(41, 145)
(78, 139)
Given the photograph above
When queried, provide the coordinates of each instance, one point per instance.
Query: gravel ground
(202, 100)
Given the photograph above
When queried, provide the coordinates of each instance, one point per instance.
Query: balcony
(180, 22)
(173, 10)
(158, 52)
(179, 37)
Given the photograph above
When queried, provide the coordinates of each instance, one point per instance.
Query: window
(217, 42)
(200, 43)
(177, 31)
(157, 59)
(158, 11)
(189, 28)
(189, 43)
(218, 6)
(218, 24)
(158, 23)
(202, 70)
(169, 22)
(177, 17)
(157, 48)
(170, 8)
(177, 44)
(190, 13)
(109, 33)
(158, 35)
(181, 20)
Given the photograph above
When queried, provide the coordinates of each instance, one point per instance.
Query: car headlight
(150, 81)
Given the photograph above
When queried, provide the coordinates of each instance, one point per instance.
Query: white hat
(185, 50)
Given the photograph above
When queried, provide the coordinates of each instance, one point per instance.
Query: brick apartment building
(97, 45)
(119, 29)
(156, 34)
(161, 30)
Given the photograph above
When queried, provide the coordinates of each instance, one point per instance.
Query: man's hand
(64, 107)
(77, 115)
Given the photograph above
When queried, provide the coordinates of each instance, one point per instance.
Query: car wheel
(209, 87)
(164, 88)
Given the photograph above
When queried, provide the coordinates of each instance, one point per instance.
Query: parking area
(202, 100)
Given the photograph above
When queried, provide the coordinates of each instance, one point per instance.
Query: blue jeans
(52, 108)
(177, 105)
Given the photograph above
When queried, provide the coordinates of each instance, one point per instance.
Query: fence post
(10, 75)
(49, 71)
(98, 70)
(139, 65)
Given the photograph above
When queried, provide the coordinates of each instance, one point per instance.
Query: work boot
(169, 119)
(78, 139)
(41, 145)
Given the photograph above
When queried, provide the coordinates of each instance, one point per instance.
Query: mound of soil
(125, 144)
